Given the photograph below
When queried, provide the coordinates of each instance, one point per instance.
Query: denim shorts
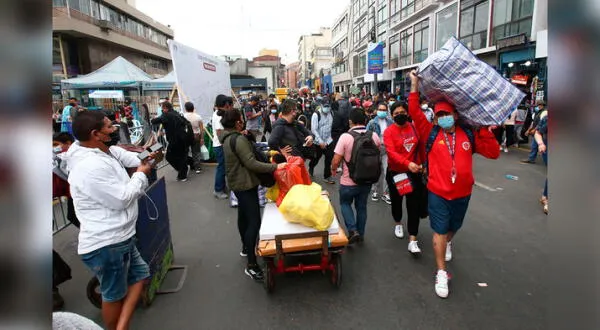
(117, 266)
(446, 215)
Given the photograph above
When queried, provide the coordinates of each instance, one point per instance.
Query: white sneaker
(505, 149)
(441, 284)
(448, 251)
(399, 231)
(386, 198)
(413, 247)
(375, 197)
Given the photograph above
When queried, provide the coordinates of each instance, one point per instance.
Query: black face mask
(115, 137)
(401, 119)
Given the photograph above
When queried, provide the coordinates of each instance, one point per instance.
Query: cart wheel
(93, 292)
(269, 280)
(336, 273)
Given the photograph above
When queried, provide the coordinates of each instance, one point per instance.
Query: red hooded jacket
(440, 161)
(402, 147)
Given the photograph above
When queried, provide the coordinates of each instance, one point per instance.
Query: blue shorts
(445, 215)
(117, 267)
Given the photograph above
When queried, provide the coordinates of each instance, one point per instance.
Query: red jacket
(440, 162)
(402, 147)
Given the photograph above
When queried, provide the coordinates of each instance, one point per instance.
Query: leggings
(249, 221)
(416, 202)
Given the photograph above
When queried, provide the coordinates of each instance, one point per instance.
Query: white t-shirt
(195, 119)
(216, 125)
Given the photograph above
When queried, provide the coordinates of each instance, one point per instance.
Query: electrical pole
(374, 40)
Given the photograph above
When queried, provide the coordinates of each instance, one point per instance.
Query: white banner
(106, 95)
(200, 78)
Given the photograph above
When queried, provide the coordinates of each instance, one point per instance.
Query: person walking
(405, 163)
(379, 125)
(449, 170)
(541, 137)
(198, 128)
(539, 110)
(321, 126)
(350, 191)
(222, 103)
(106, 203)
(287, 132)
(254, 113)
(174, 125)
(241, 168)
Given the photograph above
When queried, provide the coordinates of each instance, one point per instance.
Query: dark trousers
(249, 221)
(328, 153)
(61, 272)
(196, 159)
(416, 202)
(511, 137)
(499, 133)
(177, 157)
(71, 216)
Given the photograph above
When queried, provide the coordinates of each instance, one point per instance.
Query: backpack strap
(432, 135)
(471, 137)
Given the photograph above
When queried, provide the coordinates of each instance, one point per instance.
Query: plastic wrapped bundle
(479, 93)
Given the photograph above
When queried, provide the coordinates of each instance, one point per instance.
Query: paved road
(502, 244)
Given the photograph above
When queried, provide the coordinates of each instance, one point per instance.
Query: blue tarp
(118, 73)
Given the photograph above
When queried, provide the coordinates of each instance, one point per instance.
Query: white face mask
(424, 106)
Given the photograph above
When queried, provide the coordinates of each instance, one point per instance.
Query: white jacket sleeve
(314, 127)
(127, 158)
(102, 186)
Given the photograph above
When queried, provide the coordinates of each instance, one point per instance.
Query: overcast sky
(243, 27)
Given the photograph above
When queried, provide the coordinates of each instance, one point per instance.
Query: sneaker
(413, 247)
(441, 283)
(198, 170)
(527, 161)
(255, 273)
(354, 237)
(386, 198)
(375, 197)
(220, 195)
(243, 253)
(339, 170)
(330, 180)
(448, 251)
(182, 180)
(505, 149)
(546, 208)
(399, 231)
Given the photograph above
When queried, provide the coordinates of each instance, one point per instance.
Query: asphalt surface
(502, 244)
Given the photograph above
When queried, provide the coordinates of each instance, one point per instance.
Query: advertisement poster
(375, 58)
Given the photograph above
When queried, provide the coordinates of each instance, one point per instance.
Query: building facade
(314, 54)
(510, 35)
(87, 34)
(291, 75)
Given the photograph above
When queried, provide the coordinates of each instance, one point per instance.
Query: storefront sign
(519, 79)
(517, 40)
(375, 58)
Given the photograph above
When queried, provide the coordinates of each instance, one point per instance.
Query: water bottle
(512, 177)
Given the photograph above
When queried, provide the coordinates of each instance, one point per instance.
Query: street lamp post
(374, 40)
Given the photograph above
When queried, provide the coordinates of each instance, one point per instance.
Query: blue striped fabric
(479, 93)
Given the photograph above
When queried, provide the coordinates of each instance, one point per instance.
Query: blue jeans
(220, 174)
(534, 150)
(117, 267)
(359, 195)
(545, 158)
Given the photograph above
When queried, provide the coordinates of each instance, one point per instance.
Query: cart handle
(324, 234)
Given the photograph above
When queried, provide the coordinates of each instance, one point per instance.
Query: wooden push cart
(312, 243)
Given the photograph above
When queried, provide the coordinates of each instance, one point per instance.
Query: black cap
(325, 100)
(222, 100)
(254, 98)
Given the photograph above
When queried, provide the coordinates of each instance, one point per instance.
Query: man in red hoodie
(450, 173)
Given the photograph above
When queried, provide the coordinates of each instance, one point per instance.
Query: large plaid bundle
(479, 93)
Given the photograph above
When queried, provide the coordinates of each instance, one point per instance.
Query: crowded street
(497, 266)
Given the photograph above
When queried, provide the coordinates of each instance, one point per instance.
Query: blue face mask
(536, 109)
(446, 122)
(273, 111)
(326, 109)
(381, 114)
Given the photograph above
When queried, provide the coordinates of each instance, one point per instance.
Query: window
(394, 51)
(445, 26)
(59, 3)
(474, 23)
(95, 9)
(407, 8)
(360, 31)
(381, 37)
(421, 41)
(406, 47)
(512, 17)
(394, 6)
(362, 64)
(382, 15)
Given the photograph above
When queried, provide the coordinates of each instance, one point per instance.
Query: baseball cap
(222, 100)
(443, 106)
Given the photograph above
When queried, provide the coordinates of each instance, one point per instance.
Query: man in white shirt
(222, 103)
(105, 200)
(198, 127)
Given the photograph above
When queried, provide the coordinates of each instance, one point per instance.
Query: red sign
(209, 67)
(519, 79)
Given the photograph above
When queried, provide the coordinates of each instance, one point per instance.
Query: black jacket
(172, 122)
(288, 134)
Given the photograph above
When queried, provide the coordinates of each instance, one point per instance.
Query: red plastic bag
(293, 173)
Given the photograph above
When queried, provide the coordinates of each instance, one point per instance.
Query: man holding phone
(105, 200)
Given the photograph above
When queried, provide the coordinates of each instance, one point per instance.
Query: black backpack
(185, 131)
(266, 179)
(432, 135)
(365, 163)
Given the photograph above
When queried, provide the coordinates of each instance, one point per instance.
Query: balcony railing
(406, 13)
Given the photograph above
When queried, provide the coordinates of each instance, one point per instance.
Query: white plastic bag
(204, 153)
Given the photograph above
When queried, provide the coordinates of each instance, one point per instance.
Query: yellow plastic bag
(304, 204)
(273, 192)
